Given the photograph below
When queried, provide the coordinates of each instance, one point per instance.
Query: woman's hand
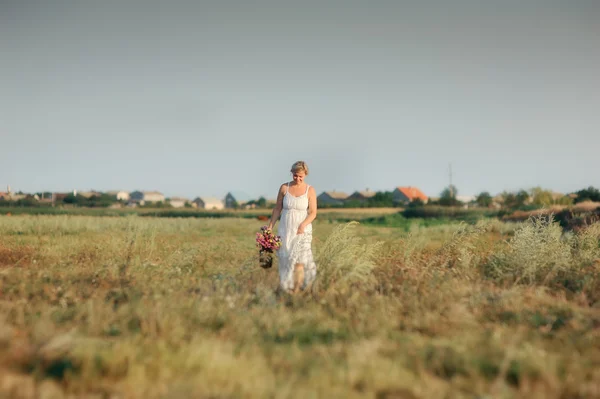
(300, 229)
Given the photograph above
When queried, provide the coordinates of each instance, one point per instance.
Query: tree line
(536, 197)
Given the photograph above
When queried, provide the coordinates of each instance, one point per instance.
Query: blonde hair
(299, 166)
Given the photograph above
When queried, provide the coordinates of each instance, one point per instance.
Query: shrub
(461, 251)
(535, 253)
(587, 244)
(541, 253)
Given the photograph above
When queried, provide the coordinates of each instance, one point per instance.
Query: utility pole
(450, 187)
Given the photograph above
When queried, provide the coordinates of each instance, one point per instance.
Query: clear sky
(199, 98)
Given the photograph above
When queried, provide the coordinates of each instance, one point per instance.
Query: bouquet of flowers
(267, 243)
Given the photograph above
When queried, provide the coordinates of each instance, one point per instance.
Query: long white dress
(295, 248)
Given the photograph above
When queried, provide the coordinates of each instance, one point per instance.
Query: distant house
(556, 196)
(5, 196)
(466, 199)
(332, 198)
(9, 195)
(178, 202)
(498, 201)
(407, 194)
(235, 199)
(119, 195)
(12, 196)
(208, 203)
(361, 196)
(142, 197)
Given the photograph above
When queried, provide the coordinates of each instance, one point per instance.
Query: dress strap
(307, 187)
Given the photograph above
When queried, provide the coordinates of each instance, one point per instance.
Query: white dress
(295, 248)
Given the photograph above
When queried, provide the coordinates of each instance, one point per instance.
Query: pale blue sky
(200, 98)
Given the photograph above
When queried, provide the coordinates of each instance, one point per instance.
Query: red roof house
(408, 194)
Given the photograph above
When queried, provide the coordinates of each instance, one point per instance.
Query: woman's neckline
(294, 196)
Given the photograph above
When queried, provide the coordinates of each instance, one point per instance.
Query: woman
(297, 206)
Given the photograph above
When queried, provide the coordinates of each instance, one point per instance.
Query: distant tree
(73, 199)
(157, 204)
(522, 197)
(416, 203)
(509, 199)
(381, 199)
(448, 196)
(261, 202)
(513, 200)
(28, 201)
(588, 194)
(101, 200)
(541, 197)
(565, 200)
(484, 199)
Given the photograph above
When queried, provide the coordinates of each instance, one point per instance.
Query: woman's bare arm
(278, 207)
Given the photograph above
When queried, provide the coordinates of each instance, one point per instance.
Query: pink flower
(267, 241)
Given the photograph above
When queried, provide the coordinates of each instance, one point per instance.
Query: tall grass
(345, 260)
(535, 253)
(157, 307)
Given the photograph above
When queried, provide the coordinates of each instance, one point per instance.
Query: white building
(178, 202)
(142, 197)
(466, 198)
(208, 203)
(120, 195)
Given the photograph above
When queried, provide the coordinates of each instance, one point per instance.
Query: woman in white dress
(297, 206)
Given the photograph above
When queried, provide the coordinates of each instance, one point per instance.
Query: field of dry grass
(324, 213)
(136, 307)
